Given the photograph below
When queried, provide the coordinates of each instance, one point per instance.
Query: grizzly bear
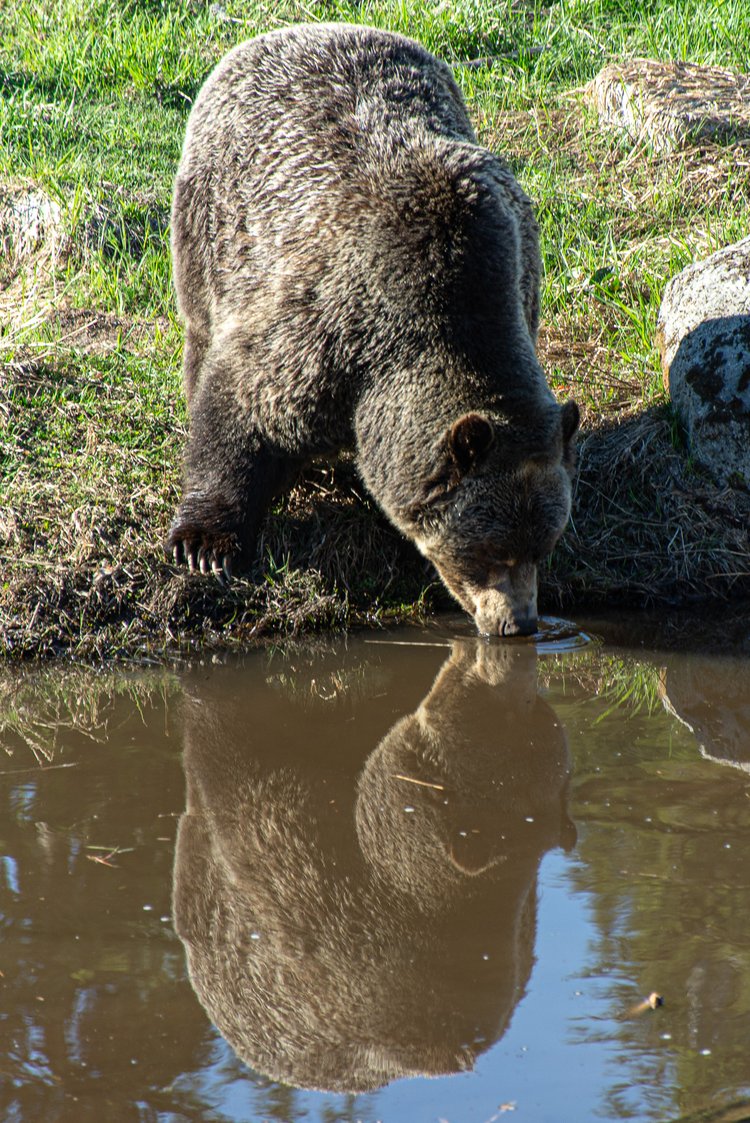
(355, 271)
(358, 903)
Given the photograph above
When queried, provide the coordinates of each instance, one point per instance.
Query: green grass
(94, 97)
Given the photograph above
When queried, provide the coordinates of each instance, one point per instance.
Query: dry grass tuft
(33, 242)
(30, 223)
(646, 528)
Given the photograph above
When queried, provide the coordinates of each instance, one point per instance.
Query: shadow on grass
(647, 527)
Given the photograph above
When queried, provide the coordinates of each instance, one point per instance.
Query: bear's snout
(513, 626)
(507, 607)
(505, 620)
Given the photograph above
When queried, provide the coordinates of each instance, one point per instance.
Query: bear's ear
(462, 448)
(571, 419)
(469, 441)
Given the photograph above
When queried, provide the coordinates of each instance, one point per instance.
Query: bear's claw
(201, 556)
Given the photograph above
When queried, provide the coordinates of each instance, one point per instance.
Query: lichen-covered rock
(703, 334)
(671, 103)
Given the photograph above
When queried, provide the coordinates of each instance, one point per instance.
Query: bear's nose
(518, 626)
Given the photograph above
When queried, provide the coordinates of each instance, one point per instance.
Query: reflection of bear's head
(343, 932)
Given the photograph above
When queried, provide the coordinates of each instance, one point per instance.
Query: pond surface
(413, 877)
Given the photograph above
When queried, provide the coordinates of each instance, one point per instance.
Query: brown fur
(355, 271)
(336, 941)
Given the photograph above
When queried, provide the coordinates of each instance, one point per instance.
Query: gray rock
(672, 103)
(703, 334)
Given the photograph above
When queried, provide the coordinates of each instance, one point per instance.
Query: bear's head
(492, 510)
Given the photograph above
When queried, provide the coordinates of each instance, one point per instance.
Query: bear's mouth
(505, 604)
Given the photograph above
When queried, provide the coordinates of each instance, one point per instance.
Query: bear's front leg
(231, 478)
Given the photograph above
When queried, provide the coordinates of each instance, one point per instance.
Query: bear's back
(303, 158)
(317, 87)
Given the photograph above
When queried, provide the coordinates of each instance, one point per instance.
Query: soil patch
(90, 331)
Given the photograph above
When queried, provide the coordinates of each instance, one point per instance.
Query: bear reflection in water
(349, 922)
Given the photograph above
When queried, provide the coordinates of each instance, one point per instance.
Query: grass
(95, 97)
(38, 710)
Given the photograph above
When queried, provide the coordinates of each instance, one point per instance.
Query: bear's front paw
(203, 550)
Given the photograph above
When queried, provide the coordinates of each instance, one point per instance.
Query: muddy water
(408, 877)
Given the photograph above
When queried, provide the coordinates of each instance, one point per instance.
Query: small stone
(29, 220)
(703, 335)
